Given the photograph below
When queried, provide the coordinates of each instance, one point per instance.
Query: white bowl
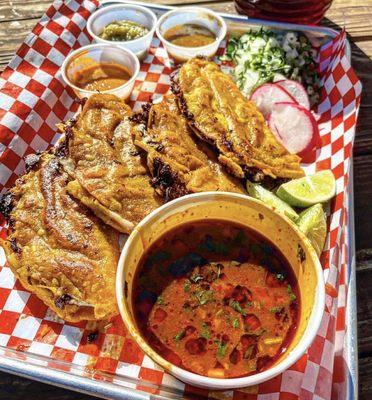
(94, 54)
(257, 216)
(119, 12)
(191, 15)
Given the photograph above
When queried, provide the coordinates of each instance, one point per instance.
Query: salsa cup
(94, 54)
(191, 15)
(119, 12)
(254, 214)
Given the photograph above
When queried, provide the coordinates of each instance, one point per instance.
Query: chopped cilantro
(204, 296)
(180, 335)
(292, 296)
(236, 306)
(160, 300)
(205, 332)
(235, 323)
(275, 309)
(187, 286)
(221, 348)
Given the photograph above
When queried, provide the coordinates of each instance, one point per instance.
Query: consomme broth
(216, 298)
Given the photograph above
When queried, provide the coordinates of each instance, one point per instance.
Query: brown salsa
(101, 77)
(189, 35)
(217, 299)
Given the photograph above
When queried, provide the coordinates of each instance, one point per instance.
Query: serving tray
(34, 343)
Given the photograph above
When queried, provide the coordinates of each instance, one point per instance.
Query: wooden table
(18, 17)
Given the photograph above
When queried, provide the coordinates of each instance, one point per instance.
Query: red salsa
(217, 299)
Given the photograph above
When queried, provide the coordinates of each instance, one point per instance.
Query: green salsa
(123, 30)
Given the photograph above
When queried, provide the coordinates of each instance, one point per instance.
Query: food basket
(36, 344)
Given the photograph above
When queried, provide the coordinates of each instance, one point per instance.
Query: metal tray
(36, 367)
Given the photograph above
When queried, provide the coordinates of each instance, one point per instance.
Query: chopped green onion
(236, 306)
(180, 335)
(221, 348)
(187, 286)
(205, 332)
(235, 323)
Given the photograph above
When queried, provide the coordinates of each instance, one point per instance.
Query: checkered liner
(33, 99)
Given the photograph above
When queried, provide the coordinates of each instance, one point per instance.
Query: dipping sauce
(101, 77)
(189, 35)
(122, 31)
(216, 298)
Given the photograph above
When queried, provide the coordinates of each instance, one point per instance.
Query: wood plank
(21, 9)
(12, 34)
(364, 299)
(362, 200)
(365, 379)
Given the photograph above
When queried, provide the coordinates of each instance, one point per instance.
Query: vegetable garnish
(236, 306)
(205, 332)
(180, 335)
(264, 56)
(221, 348)
(123, 31)
(187, 286)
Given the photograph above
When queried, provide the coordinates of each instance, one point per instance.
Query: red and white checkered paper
(33, 99)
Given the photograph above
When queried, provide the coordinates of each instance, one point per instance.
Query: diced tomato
(196, 346)
(235, 356)
(160, 315)
(226, 289)
(247, 340)
(241, 294)
(189, 330)
(252, 322)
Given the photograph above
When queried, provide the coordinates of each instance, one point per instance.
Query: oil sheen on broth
(101, 77)
(217, 299)
(189, 35)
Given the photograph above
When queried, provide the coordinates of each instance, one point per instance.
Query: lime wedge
(258, 192)
(313, 223)
(309, 190)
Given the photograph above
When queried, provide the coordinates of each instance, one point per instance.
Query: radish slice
(295, 127)
(296, 90)
(267, 95)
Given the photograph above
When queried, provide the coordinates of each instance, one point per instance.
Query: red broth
(217, 299)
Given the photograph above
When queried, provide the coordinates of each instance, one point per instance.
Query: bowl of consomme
(220, 290)
(186, 32)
